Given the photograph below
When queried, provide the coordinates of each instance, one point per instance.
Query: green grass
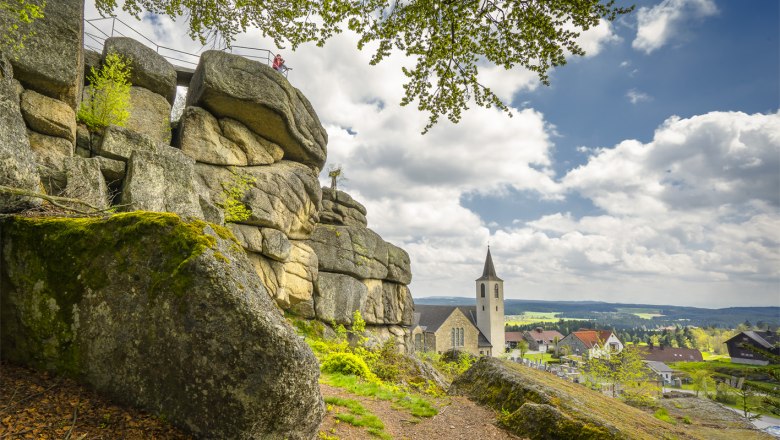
(417, 406)
(717, 365)
(708, 356)
(544, 357)
(663, 415)
(359, 416)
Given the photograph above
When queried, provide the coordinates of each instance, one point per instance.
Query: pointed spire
(489, 272)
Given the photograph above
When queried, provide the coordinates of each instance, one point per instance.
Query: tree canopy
(448, 39)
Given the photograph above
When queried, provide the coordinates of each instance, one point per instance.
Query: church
(478, 329)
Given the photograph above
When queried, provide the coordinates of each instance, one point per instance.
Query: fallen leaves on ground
(36, 405)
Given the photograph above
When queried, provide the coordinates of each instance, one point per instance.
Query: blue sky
(648, 172)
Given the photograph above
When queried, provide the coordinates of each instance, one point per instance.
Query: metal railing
(97, 30)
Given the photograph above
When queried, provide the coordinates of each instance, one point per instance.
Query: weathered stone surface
(399, 268)
(335, 214)
(224, 142)
(48, 116)
(354, 251)
(52, 61)
(258, 151)
(249, 237)
(254, 94)
(379, 334)
(162, 181)
(92, 59)
(276, 246)
(300, 272)
(83, 137)
(292, 281)
(201, 139)
(85, 182)
(113, 170)
(149, 69)
(159, 314)
(337, 297)
(388, 303)
(50, 153)
(119, 143)
(17, 162)
(150, 115)
(284, 196)
(342, 199)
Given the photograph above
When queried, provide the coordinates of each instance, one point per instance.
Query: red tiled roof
(592, 337)
(513, 336)
(546, 336)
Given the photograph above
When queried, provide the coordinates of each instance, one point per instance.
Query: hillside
(623, 315)
(539, 405)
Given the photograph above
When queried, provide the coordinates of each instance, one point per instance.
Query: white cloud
(664, 21)
(635, 96)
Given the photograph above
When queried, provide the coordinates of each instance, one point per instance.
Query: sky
(647, 172)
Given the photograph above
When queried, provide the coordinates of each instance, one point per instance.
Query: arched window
(482, 289)
(495, 289)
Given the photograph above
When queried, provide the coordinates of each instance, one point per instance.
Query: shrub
(663, 414)
(347, 363)
(109, 100)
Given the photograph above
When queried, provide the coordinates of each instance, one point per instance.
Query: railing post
(113, 22)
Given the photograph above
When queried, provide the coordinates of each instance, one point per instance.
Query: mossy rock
(160, 313)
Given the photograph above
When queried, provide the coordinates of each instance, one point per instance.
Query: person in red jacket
(278, 63)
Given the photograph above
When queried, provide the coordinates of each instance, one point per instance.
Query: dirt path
(458, 419)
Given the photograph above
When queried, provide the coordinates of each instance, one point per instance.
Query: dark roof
(669, 354)
(489, 272)
(659, 367)
(764, 339)
(513, 336)
(432, 317)
(544, 335)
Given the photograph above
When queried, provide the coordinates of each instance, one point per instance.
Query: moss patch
(51, 263)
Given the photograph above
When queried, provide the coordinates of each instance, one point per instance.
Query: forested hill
(622, 315)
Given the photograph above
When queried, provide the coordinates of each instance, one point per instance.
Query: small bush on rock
(109, 100)
(347, 363)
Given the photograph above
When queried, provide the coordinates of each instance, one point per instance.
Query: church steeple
(489, 272)
(490, 306)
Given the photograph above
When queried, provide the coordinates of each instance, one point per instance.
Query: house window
(495, 289)
(482, 290)
(496, 308)
(483, 308)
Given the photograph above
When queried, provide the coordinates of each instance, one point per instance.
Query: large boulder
(161, 314)
(355, 251)
(337, 297)
(284, 196)
(149, 69)
(259, 97)
(17, 164)
(162, 181)
(150, 115)
(48, 116)
(51, 61)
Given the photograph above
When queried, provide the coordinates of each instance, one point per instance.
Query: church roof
(430, 318)
(489, 272)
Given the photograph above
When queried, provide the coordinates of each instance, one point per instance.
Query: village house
(662, 370)
(669, 354)
(746, 347)
(590, 343)
(478, 330)
(542, 340)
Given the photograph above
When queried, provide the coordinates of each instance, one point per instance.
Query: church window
(496, 308)
(482, 290)
(462, 337)
(457, 337)
(495, 289)
(483, 308)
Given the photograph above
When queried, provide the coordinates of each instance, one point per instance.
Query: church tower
(490, 306)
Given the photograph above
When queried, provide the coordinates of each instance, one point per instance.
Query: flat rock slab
(85, 182)
(160, 314)
(51, 62)
(149, 69)
(119, 143)
(231, 86)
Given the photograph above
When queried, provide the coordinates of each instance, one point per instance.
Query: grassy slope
(576, 401)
